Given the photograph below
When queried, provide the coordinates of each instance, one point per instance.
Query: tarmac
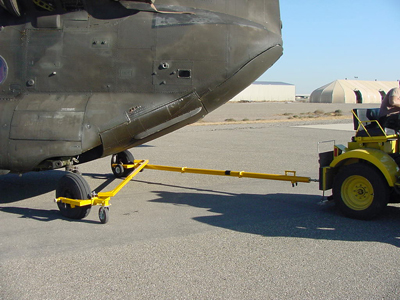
(187, 236)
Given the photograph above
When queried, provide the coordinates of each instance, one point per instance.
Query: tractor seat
(369, 119)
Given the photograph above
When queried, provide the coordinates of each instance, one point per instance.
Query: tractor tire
(360, 191)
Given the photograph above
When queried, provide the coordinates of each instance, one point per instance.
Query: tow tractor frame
(364, 176)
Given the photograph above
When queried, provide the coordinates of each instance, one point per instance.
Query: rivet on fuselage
(164, 65)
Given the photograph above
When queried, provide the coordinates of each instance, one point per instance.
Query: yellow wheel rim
(357, 192)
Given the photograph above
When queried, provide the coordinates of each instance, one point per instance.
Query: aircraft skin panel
(96, 77)
(22, 159)
(47, 126)
(7, 106)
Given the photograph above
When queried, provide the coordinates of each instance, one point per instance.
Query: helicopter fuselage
(85, 79)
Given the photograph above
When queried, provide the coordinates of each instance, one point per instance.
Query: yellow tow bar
(288, 176)
(103, 198)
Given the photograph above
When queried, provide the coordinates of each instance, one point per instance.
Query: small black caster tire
(104, 214)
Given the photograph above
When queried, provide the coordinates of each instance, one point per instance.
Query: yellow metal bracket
(43, 5)
(361, 125)
(103, 198)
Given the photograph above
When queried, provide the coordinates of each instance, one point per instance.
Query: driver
(390, 108)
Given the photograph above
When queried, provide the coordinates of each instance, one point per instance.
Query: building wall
(352, 91)
(267, 92)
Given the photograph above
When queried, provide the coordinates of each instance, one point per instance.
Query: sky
(326, 40)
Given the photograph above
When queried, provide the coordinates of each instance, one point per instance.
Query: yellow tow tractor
(364, 176)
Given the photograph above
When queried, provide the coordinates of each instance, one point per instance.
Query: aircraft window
(184, 73)
(3, 70)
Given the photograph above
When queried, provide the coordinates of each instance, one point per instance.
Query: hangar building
(267, 91)
(352, 91)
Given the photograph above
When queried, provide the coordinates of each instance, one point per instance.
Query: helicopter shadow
(43, 215)
(285, 215)
(15, 188)
(276, 215)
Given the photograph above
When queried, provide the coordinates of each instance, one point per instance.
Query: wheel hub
(361, 191)
(357, 192)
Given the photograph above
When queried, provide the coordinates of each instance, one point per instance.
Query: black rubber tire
(73, 186)
(360, 191)
(104, 214)
(118, 170)
(124, 157)
(394, 195)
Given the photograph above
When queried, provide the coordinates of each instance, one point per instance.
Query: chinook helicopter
(85, 79)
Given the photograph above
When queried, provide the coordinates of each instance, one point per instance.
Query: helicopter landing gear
(74, 186)
(73, 195)
(117, 162)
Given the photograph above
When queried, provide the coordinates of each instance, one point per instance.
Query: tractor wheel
(360, 191)
(73, 186)
(121, 158)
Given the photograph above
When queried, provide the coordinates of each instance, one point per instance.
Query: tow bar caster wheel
(121, 158)
(360, 191)
(104, 214)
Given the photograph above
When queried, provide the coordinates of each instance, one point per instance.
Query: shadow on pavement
(43, 215)
(15, 188)
(279, 215)
(286, 215)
